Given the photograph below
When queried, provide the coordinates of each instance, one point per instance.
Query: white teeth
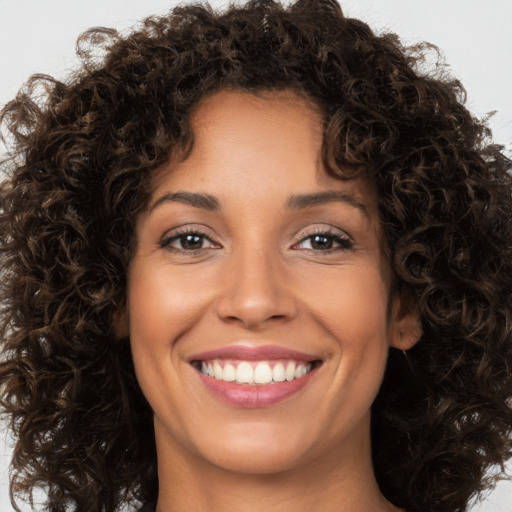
(278, 373)
(302, 370)
(262, 373)
(245, 372)
(290, 371)
(217, 370)
(229, 373)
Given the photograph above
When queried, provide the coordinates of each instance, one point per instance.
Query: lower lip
(243, 395)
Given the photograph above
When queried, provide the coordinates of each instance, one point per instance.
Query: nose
(256, 291)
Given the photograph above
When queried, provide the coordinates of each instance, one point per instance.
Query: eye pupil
(191, 242)
(321, 242)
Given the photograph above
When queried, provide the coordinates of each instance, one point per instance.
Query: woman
(255, 260)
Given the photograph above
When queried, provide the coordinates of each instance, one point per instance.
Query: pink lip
(242, 395)
(249, 353)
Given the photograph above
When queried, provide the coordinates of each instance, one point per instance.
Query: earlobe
(405, 325)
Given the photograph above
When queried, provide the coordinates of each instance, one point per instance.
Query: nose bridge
(254, 288)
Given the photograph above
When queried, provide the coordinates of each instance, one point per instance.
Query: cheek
(163, 304)
(356, 320)
(162, 307)
(350, 306)
(353, 305)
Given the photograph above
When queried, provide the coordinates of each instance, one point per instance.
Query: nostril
(252, 298)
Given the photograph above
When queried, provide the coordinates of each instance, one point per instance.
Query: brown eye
(325, 242)
(321, 242)
(188, 242)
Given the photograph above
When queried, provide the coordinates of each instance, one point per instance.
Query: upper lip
(253, 353)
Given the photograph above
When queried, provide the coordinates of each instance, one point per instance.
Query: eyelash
(332, 237)
(343, 241)
(182, 234)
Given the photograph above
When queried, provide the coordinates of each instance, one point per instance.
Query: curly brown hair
(79, 175)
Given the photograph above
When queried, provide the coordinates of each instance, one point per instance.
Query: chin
(259, 463)
(257, 453)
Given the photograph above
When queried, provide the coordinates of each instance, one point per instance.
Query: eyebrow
(300, 201)
(204, 201)
(297, 201)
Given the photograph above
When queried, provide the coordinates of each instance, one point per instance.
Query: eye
(188, 241)
(325, 242)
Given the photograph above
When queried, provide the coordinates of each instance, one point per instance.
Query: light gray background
(38, 36)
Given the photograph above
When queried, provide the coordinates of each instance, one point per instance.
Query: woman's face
(252, 267)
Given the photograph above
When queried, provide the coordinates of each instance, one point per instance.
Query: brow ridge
(195, 199)
(301, 201)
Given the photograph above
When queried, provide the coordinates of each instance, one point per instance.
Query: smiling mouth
(255, 373)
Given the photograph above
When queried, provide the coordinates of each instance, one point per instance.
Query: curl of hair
(79, 175)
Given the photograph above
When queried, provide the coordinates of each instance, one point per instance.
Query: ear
(120, 324)
(405, 325)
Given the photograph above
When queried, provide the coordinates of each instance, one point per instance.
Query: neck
(342, 482)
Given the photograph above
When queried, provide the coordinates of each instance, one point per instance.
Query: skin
(256, 278)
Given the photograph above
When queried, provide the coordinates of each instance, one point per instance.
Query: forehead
(284, 108)
(259, 146)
